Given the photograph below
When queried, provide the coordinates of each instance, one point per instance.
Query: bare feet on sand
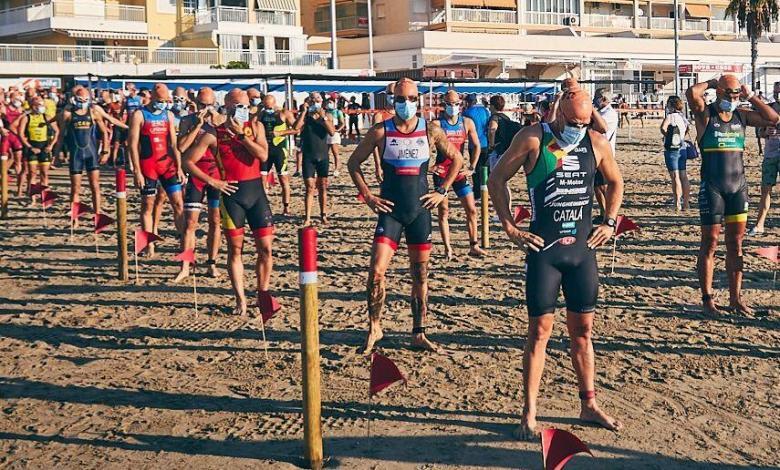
(591, 413)
(710, 309)
(526, 431)
(374, 335)
(476, 251)
(183, 274)
(419, 341)
(738, 306)
(448, 254)
(214, 271)
(240, 308)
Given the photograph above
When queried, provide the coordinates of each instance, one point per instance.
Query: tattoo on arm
(420, 297)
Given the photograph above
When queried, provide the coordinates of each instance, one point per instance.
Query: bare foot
(286, 211)
(324, 219)
(476, 251)
(307, 222)
(419, 341)
(240, 308)
(183, 274)
(374, 335)
(448, 254)
(150, 251)
(739, 306)
(710, 309)
(593, 414)
(214, 271)
(526, 431)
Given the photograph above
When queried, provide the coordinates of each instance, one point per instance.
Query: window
(380, 10)
(554, 6)
(166, 6)
(414, 61)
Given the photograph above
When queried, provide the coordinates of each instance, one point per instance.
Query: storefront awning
(501, 4)
(108, 35)
(698, 11)
(276, 5)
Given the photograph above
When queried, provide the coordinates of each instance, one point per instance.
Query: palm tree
(756, 18)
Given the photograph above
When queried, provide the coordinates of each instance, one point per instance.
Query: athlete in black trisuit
(278, 125)
(315, 125)
(404, 203)
(560, 161)
(720, 128)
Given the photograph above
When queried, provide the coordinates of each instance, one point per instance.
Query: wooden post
(4, 184)
(121, 224)
(485, 209)
(310, 347)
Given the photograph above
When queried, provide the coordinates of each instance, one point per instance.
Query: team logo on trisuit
(393, 142)
(567, 241)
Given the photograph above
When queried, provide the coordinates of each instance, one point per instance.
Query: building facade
(544, 39)
(146, 36)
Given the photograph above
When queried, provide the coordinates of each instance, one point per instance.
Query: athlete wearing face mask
(560, 160)
(38, 138)
(255, 101)
(723, 197)
(770, 167)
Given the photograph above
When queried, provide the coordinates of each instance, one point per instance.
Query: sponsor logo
(393, 142)
(568, 225)
(420, 141)
(568, 241)
(567, 215)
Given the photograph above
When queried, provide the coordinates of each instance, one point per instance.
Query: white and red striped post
(310, 347)
(121, 223)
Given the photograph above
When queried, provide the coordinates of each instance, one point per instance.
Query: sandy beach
(96, 373)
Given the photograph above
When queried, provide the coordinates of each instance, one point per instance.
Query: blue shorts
(676, 160)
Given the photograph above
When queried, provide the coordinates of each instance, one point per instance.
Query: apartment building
(543, 39)
(70, 37)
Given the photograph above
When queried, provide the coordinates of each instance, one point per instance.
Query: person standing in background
(602, 104)
(675, 128)
(480, 115)
(770, 167)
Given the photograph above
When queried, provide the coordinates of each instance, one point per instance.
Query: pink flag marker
(37, 189)
(521, 213)
(268, 305)
(186, 256)
(102, 222)
(624, 224)
(772, 253)
(143, 239)
(48, 198)
(77, 209)
(384, 373)
(558, 447)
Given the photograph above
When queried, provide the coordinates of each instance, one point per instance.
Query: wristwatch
(610, 222)
(440, 190)
(241, 136)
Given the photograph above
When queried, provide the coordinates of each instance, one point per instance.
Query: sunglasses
(733, 91)
(450, 103)
(242, 106)
(578, 125)
(404, 99)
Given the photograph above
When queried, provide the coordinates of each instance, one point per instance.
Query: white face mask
(241, 115)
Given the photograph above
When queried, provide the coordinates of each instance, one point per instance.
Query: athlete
(460, 131)
(404, 204)
(38, 138)
(560, 162)
(770, 167)
(192, 128)
(334, 141)
(156, 158)
(118, 111)
(11, 145)
(255, 101)
(79, 135)
(278, 124)
(133, 100)
(241, 148)
(315, 125)
(723, 196)
(480, 115)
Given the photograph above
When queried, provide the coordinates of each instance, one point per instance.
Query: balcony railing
(541, 17)
(161, 56)
(480, 15)
(607, 21)
(695, 25)
(662, 23)
(343, 23)
(723, 26)
(87, 9)
(242, 15)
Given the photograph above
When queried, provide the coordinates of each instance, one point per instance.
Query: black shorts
(418, 231)
(572, 268)
(462, 188)
(277, 158)
(194, 192)
(81, 160)
(318, 168)
(119, 135)
(716, 205)
(248, 204)
(42, 158)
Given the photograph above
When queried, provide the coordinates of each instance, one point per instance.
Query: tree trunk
(753, 59)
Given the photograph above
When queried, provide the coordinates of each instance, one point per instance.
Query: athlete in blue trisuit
(404, 204)
(560, 160)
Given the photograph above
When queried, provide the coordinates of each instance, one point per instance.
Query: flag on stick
(384, 373)
(521, 213)
(624, 224)
(77, 209)
(185, 256)
(268, 305)
(102, 222)
(143, 239)
(48, 198)
(559, 446)
(37, 189)
(772, 253)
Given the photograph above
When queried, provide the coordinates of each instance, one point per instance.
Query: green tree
(756, 18)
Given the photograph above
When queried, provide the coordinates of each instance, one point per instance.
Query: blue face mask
(406, 110)
(241, 115)
(728, 106)
(82, 104)
(571, 135)
(177, 106)
(160, 106)
(256, 101)
(314, 107)
(452, 110)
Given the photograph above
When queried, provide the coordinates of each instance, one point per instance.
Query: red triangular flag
(772, 253)
(186, 255)
(559, 446)
(143, 239)
(384, 373)
(48, 198)
(37, 189)
(272, 178)
(268, 305)
(102, 222)
(624, 224)
(77, 209)
(521, 213)
(361, 198)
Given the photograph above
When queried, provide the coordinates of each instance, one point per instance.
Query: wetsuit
(38, 137)
(81, 142)
(723, 191)
(405, 160)
(277, 145)
(249, 202)
(457, 136)
(561, 195)
(11, 142)
(196, 188)
(314, 145)
(157, 164)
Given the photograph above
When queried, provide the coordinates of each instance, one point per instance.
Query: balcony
(545, 18)
(661, 23)
(343, 24)
(26, 58)
(723, 26)
(242, 15)
(76, 15)
(695, 25)
(482, 15)
(607, 21)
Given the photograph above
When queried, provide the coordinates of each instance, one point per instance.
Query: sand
(95, 373)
